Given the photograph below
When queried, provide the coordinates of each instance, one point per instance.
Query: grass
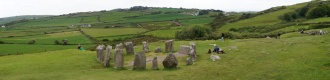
(317, 20)
(119, 37)
(55, 22)
(197, 21)
(166, 33)
(291, 29)
(261, 20)
(254, 59)
(112, 32)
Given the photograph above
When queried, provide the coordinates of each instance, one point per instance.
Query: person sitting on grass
(79, 46)
(218, 50)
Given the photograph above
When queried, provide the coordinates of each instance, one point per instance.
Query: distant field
(112, 31)
(90, 19)
(170, 33)
(29, 31)
(120, 37)
(200, 21)
(160, 17)
(116, 16)
(56, 22)
(325, 19)
(6, 49)
(72, 37)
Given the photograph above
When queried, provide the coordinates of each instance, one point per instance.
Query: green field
(254, 59)
(55, 22)
(166, 33)
(94, 32)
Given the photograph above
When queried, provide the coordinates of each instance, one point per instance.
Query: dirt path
(159, 58)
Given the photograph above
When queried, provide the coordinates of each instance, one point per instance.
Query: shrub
(105, 40)
(1, 42)
(57, 42)
(196, 32)
(32, 41)
(65, 41)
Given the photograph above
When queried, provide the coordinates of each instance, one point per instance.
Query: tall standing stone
(119, 59)
(170, 61)
(158, 50)
(184, 49)
(139, 60)
(107, 56)
(193, 51)
(100, 53)
(145, 46)
(129, 47)
(155, 64)
(169, 45)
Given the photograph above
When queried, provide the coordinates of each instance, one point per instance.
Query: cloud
(57, 7)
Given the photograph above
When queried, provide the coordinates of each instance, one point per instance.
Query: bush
(32, 41)
(196, 32)
(1, 42)
(65, 41)
(105, 40)
(57, 42)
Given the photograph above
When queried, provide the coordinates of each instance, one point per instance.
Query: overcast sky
(57, 7)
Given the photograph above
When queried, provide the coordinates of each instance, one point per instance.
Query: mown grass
(291, 58)
(94, 32)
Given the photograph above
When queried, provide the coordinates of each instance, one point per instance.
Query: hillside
(271, 21)
(16, 18)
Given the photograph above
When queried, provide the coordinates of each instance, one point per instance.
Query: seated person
(216, 49)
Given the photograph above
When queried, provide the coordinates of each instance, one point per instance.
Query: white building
(3, 26)
(86, 25)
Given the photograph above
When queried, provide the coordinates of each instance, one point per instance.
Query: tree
(318, 11)
(65, 42)
(196, 32)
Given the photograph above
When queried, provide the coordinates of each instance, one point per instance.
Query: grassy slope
(307, 58)
(325, 19)
(15, 18)
(112, 32)
(261, 20)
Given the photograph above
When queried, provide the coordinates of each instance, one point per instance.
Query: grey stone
(139, 60)
(119, 59)
(107, 57)
(184, 49)
(170, 61)
(145, 46)
(120, 46)
(169, 45)
(100, 53)
(193, 53)
(158, 49)
(155, 64)
(189, 61)
(129, 47)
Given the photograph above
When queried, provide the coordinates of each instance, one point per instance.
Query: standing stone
(139, 60)
(155, 64)
(119, 59)
(169, 45)
(193, 55)
(170, 61)
(107, 56)
(100, 53)
(193, 51)
(209, 52)
(189, 61)
(129, 47)
(184, 49)
(119, 46)
(145, 46)
(158, 50)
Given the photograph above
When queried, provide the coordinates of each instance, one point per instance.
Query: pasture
(254, 59)
(97, 32)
